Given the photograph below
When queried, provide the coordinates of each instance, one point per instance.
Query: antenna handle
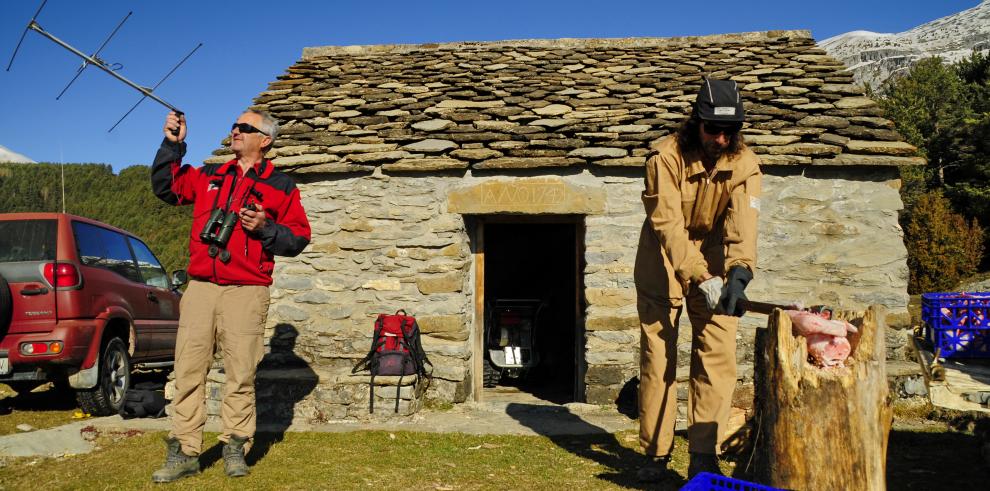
(177, 114)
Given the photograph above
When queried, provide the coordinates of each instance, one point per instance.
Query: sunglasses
(246, 128)
(727, 129)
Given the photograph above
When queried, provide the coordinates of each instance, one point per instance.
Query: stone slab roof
(565, 102)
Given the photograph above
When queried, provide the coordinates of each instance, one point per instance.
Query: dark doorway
(535, 261)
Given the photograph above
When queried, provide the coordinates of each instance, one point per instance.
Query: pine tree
(93, 191)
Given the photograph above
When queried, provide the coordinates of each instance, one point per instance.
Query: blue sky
(246, 44)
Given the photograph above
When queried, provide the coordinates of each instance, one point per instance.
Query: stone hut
(441, 177)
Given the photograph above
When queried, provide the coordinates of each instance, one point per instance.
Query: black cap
(718, 100)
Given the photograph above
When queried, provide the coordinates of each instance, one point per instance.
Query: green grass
(922, 455)
(358, 460)
(44, 407)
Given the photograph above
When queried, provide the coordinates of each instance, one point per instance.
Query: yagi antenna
(99, 63)
(93, 56)
(149, 91)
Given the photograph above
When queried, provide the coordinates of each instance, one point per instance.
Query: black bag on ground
(144, 400)
(396, 349)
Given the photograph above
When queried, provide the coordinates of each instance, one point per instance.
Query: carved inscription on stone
(544, 195)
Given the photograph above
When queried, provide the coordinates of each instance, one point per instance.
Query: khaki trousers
(712, 380)
(233, 316)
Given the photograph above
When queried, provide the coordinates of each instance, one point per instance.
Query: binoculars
(219, 227)
(217, 231)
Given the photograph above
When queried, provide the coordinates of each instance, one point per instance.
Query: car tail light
(61, 275)
(41, 348)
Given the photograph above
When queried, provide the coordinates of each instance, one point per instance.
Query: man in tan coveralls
(702, 200)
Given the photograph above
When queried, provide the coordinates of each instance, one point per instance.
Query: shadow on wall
(284, 379)
(575, 435)
(627, 401)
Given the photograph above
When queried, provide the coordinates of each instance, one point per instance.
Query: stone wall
(827, 236)
(382, 243)
(379, 244)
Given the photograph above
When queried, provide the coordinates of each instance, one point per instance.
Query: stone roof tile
(564, 102)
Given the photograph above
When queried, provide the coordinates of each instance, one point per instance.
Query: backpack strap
(417, 353)
(371, 394)
(420, 352)
(398, 388)
(376, 343)
(369, 362)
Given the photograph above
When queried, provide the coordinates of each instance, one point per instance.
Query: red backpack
(396, 349)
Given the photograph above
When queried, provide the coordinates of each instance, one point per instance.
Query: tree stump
(821, 429)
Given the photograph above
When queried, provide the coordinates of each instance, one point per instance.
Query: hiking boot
(654, 470)
(233, 457)
(177, 464)
(703, 462)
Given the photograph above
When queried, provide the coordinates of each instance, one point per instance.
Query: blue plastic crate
(958, 324)
(705, 481)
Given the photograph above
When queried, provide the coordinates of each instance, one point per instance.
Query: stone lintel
(539, 195)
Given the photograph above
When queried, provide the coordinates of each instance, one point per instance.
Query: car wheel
(114, 380)
(492, 374)
(6, 303)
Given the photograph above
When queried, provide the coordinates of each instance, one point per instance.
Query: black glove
(735, 286)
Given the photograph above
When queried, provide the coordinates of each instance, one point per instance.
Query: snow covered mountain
(873, 57)
(7, 155)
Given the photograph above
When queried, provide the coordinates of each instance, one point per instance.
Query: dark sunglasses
(246, 128)
(728, 129)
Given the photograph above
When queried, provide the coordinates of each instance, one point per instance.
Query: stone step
(289, 395)
(300, 395)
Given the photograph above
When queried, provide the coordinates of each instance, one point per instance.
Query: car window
(27, 240)
(106, 249)
(151, 270)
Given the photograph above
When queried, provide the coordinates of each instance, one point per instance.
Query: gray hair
(269, 125)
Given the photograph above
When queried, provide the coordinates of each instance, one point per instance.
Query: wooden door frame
(478, 329)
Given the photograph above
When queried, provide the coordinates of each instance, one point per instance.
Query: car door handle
(34, 291)
(152, 297)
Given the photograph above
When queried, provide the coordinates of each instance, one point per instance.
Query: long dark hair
(689, 141)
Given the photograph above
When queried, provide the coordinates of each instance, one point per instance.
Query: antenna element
(98, 63)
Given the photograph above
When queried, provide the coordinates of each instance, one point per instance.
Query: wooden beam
(478, 350)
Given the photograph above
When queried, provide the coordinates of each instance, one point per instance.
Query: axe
(768, 308)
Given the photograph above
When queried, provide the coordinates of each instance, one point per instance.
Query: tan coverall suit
(696, 221)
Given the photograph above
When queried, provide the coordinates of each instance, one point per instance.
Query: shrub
(942, 247)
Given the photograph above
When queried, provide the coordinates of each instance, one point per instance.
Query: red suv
(81, 304)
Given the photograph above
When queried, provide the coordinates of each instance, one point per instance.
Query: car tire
(6, 304)
(114, 380)
(492, 374)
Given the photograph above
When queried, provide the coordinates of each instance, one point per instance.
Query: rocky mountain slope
(873, 57)
(7, 155)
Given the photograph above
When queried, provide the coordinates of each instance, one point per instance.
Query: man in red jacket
(244, 213)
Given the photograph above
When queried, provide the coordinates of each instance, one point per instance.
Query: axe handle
(764, 307)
